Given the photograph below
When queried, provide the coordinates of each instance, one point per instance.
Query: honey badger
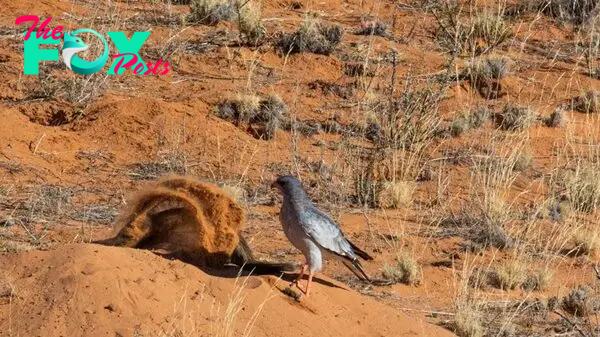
(194, 220)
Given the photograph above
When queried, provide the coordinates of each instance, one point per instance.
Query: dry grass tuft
(583, 187)
(376, 27)
(9, 246)
(477, 34)
(523, 161)
(468, 319)
(511, 274)
(586, 242)
(312, 37)
(574, 11)
(492, 67)
(396, 194)
(581, 301)
(237, 192)
(557, 119)
(588, 103)
(539, 280)
(406, 270)
(211, 12)
(514, 117)
(250, 23)
(268, 114)
(476, 118)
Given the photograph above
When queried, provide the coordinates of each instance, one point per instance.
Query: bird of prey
(314, 233)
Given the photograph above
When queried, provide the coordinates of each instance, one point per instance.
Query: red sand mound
(94, 290)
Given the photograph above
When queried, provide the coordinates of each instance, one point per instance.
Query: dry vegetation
(473, 139)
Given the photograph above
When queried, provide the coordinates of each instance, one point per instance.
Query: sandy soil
(73, 148)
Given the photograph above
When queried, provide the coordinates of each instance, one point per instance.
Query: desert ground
(457, 142)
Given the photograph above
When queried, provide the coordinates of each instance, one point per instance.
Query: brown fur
(195, 220)
(181, 215)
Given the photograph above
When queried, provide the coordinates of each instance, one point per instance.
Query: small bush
(237, 192)
(250, 24)
(588, 103)
(487, 68)
(406, 270)
(211, 12)
(484, 74)
(511, 274)
(468, 321)
(581, 301)
(559, 210)
(538, 280)
(557, 119)
(523, 162)
(586, 242)
(575, 11)
(269, 113)
(358, 69)
(396, 194)
(479, 116)
(479, 34)
(459, 126)
(514, 118)
(376, 27)
(312, 37)
(583, 187)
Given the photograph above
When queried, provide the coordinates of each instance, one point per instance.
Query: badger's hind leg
(131, 234)
(243, 257)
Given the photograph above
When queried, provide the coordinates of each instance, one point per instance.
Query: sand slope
(92, 290)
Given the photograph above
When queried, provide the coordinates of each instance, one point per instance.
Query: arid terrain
(457, 142)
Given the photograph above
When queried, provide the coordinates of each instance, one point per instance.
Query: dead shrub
(403, 132)
(396, 194)
(479, 116)
(574, 11)
(165, 162)
(250, 23)
(511, 274)
(557, 119)
(459, 126)
(312, 37)
(583, 187)
(586, 242)
(478, 34)
(587, 103)
(358, 69)
(514, 117)
(211, 12)
(406, 270)
(269, 113)
(581, 301)
(487, 68)
(375, 27)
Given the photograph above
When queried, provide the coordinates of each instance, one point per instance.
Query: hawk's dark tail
(356, 265)
(360, 252)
